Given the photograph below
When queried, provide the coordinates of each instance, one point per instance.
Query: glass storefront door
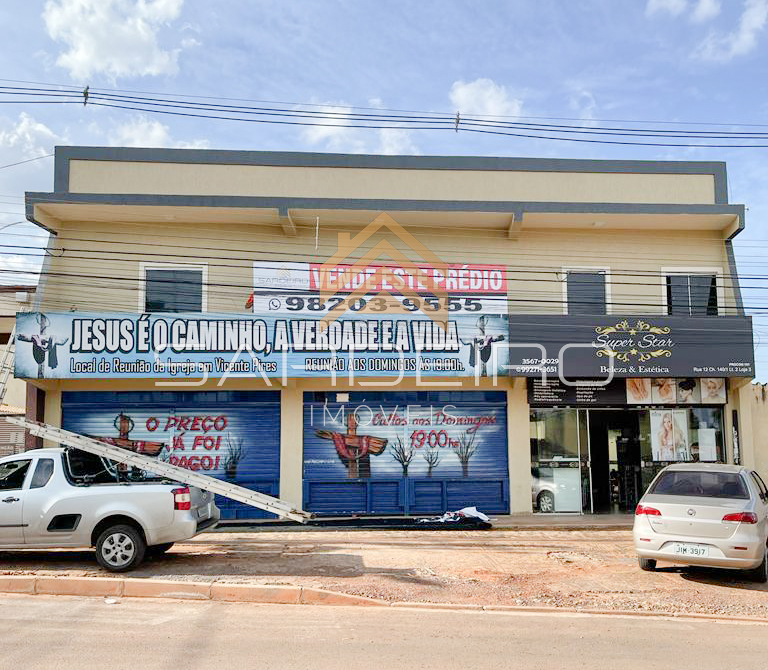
(602, 460)
(615, 466)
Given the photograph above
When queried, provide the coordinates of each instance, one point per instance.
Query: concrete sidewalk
(575, 569)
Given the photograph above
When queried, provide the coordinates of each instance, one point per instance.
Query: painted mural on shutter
(408, 453)
(230, 435)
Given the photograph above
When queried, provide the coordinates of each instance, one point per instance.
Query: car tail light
(181, 498)
(644, 509)
(741, 517)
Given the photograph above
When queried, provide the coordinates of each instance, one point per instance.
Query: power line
(29, 160)
(409, 121)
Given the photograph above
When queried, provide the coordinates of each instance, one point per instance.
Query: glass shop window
(556, 482)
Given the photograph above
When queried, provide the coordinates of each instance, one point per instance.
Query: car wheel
(159, 549)
(647, 564)
(120, 548)
(760, 573)
(546, 501)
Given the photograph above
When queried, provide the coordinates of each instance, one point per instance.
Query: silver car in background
(704, 514)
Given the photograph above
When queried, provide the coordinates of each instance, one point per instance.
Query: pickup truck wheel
(159, 549)
(120, 548)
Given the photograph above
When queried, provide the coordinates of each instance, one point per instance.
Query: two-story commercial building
(394, 334)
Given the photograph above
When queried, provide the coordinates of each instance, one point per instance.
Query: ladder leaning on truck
(239, 493)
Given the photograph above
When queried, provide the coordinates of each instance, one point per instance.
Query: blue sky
(590, 60)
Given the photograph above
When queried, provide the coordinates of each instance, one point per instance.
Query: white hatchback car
(704, 514)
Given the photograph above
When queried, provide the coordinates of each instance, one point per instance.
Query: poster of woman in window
(669, 435)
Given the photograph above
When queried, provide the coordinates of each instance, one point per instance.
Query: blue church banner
(75, 345)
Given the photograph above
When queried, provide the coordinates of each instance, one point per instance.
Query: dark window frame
(683, 296)
(174, 302)
(586, 304)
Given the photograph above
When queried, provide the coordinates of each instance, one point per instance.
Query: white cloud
(722, 48)
(584, 104)
(338, 135)
(483, 97)
(20, 269)
(395, 141)
(21, 139)
(116, 37)
(141, 131)
(705, 10)
(26, 139)
(673, 7)
(335, 133)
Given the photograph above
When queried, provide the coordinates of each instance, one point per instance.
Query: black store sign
(640, 346)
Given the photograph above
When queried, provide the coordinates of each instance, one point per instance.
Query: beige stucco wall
(99, 276)
(757, 403)
(328, 182)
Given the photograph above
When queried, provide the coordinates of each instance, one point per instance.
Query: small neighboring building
(181, 300)
(13, 299)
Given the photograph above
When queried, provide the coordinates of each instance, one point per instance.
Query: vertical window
(692, 295)
(586, 293)
(173, 289)
(43, 473)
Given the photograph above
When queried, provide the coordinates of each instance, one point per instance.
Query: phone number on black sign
(315, 304)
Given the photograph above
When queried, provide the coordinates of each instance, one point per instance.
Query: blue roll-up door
(231, 435)
(405, 453)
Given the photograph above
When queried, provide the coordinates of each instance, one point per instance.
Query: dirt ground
(584, 569)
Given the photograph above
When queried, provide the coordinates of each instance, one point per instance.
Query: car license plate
(202, 512)
(698, 550)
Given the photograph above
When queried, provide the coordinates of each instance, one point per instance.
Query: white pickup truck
(51, 498)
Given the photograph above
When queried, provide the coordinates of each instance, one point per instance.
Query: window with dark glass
(173, 290)
(692, 295)
(12, 474)
(43, 473)
(586, 293)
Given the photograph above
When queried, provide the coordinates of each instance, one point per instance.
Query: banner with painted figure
(235, 442)
(389, 441)
(191, 346)
(296, 288)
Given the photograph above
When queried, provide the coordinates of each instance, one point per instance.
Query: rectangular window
(692, 295)
(707, 484)
(173, 290)
(586, 293)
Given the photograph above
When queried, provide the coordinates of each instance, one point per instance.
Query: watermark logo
(391, 283)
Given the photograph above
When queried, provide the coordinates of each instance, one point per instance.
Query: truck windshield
(90, 468)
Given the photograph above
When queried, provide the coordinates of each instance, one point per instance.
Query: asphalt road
(67, 632)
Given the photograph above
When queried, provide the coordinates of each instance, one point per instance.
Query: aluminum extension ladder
(232, 491)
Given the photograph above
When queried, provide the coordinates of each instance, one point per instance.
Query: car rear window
(703, 484)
